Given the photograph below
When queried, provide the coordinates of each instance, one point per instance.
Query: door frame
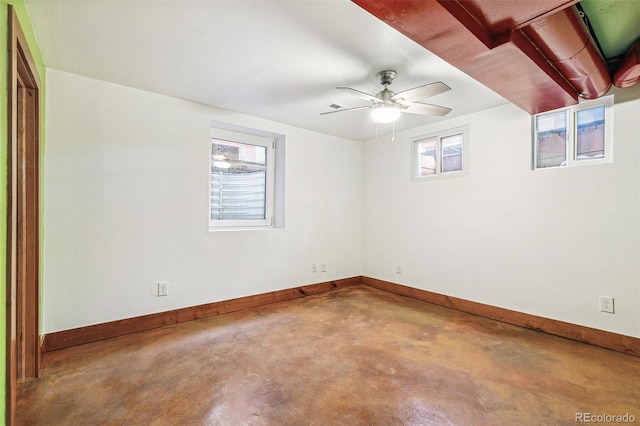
(23, 216)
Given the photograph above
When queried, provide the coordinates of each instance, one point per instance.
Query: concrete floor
(348, 357)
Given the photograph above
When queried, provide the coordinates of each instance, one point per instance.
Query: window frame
(572, 132)
(241, 135)
(439, 136)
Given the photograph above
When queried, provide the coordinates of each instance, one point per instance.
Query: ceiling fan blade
(421, 92)
(345, 109)
(359, 94)
(426, 109)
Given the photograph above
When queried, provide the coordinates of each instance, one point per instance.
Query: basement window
(242, 178)
(440, 154)
(574, 136)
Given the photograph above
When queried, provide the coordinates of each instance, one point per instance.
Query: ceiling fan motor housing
(386, 95)
(386, 77)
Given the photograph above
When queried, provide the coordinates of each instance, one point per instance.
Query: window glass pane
(238, 181)
(551, 140)
(590, 133)
(427, 157)
(452, 153)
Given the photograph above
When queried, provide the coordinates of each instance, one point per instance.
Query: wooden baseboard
(92, 333)
(617, 342)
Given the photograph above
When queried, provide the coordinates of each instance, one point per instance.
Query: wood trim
(93, 333)
(605, 339)
(29, 232)
(23, 221)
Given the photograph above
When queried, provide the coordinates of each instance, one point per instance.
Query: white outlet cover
(606, 304)
(163, 289)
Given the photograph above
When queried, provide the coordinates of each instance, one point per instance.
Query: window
(576, 135)
(439, 154)
(241, 179)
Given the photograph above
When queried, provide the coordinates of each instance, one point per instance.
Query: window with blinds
(241, 183)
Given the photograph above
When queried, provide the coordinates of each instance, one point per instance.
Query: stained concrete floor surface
(348, 357)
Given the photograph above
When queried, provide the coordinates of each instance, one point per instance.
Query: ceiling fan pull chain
(393, 131)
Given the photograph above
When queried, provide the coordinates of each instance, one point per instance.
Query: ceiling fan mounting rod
(386, 77)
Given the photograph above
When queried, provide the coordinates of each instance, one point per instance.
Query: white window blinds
(241, 179)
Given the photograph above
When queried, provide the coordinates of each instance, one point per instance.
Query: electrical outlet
(314, 267)
(398, 269)
(323, 267)
(163, 289)
(606, 304)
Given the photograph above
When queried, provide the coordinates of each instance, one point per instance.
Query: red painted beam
(499, 16)
(488, 40)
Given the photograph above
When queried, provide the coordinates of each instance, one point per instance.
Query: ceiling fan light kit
(385, 113)
(387, 105)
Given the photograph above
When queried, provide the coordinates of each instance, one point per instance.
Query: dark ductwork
(537, 54)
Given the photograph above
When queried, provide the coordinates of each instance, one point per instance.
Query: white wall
(546, 242)
(126, 206)
(126, 187)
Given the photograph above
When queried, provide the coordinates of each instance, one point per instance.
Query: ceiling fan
(387, 105)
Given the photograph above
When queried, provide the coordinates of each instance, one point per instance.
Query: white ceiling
(276, 59)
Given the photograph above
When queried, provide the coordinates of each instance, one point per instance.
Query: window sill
(441, 177)
(244, 228)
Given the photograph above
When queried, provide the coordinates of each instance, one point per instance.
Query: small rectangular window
(551, 138)
(452, 153)
(241, 185)
(590, 133)
(439, 154)
(427, 154)
(238, 181)
(577, 135)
